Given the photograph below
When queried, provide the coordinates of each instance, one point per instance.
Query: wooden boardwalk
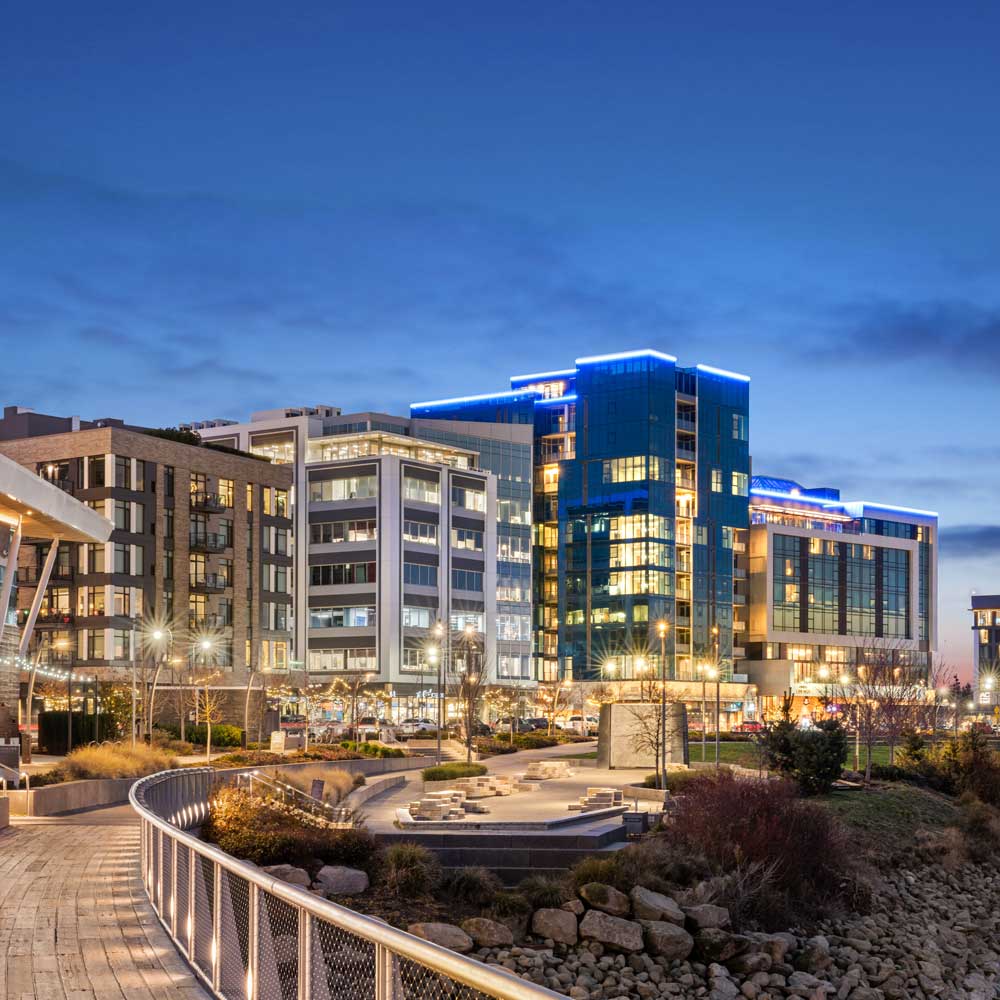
(74, 921)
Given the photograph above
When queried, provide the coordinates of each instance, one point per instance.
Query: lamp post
(161, 639)
(206, 646)
(713, 674)
(940, 693)
(703, 670)
(434, 659)
(661, 765)
(69, 711)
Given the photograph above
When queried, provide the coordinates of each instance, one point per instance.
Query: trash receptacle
(636, 823)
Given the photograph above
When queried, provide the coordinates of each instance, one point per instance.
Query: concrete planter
(359, 796)
(70, 796)
(644, 794)
(4, 813)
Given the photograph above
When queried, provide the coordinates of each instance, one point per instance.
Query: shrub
(814, 757)
(472, 885)
(541, 891)
(510, 904)
(678, 780)
(595, 869)
(410, 870)
(222, 735)
(260, 830)
(534, 741)
(493, 747)
(336, 783)
(367, 749)
(452, 770)
(890, 772)
(115, 760)
(914, 749)
(166, 740)
(359, 780)
(736, 822)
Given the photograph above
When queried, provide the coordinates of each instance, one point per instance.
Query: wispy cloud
(971, 541)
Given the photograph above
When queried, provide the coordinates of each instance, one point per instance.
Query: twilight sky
(212, 208)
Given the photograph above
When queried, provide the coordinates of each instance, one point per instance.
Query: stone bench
(598, 798)
(545, 770)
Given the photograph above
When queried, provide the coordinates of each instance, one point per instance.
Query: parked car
(293, 722)
(584, 724)
(748, 727)
(538, 723)
(414, 725)
(520, 725)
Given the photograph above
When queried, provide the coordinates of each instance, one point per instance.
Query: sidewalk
(74, 920)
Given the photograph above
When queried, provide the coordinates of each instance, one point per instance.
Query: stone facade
(626, 735)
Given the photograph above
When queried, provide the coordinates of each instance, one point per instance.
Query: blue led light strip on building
(483, 396)
(709, 370)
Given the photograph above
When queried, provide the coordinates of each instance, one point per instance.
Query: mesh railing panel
(277, 949)
(417, 982)
(182, 925)
(343, 965)
(166, 877)
(234, 936)
(204, 912)
(156, 869)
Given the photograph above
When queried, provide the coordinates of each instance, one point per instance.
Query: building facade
(199, 550)
(986, 649)
(833, 582)
(640, 478)
(398, 540)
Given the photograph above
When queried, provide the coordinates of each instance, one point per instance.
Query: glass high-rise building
(640, 481)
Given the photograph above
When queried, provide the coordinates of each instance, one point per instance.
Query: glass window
(468, 499)
(95, 471)
(339, 573)
(417, 531)
(281, 503)
(122, 562)
(421, 490)
(226, 492)
(342, 489)
(122, 515)
(467, 579)
(740, 484)
(123, 472)
(168, 480)
(716, 480)
(419, 575)
(624, 470)
(739, 427)
(418, 617)
(140, 475)
(342, 531)
(467, 538)
(352, 617)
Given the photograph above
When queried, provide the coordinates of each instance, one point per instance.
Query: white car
(584, 724)
(411, 726)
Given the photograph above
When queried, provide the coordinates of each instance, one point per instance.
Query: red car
(749, 727)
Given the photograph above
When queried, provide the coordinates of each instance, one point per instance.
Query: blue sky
(207, 211)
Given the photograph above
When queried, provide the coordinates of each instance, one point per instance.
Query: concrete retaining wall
(361, 795)
(73, 796)
(627, 734)
(4, 813)
(70, 796)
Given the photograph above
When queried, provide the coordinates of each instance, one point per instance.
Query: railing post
(305, 954)
(385, 974)
(253, 944)
(216, 926)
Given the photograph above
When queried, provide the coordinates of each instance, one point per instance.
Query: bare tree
(553, 696)
(209, 702)
(349, 690)
(884, 699)
(506, 701)
(647, 735)
(471, 686)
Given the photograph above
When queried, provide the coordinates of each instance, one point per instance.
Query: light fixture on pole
(713, 674)
(661, 628)
(434, 659)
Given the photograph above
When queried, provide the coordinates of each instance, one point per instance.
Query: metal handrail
(301, 800)
(390, 944)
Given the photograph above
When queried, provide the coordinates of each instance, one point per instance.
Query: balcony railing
(209, 583)
(48, 617)
(200, 623)
(211, 502)
(208, 541)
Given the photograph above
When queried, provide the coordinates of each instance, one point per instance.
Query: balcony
(685, 448)
(207, 541)
(210, 583)
(52, 618)
(210, 503)
(686, 423)
(685, 482)
(205, 623)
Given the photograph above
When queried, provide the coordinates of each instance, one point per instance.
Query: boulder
(705, 915)
(289, 874)
(557, 925)
(574, 906)
(605, 898)
(488, 933)
(446, 935)
(749, 963)
(667, 939)
(336, 880)
(649, 905)
(623, 935)
(713, 944)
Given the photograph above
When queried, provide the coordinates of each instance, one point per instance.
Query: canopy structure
(31, 508)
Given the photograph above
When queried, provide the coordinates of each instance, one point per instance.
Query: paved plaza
(74, 920)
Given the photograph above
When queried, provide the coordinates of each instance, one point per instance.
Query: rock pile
(932, 933)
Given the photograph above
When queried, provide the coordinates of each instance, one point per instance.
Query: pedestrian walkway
(74, 920)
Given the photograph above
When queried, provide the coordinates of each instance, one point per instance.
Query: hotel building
(640, 479)
(986, 649)
(200, 546)
(832, 581)
(397, 533)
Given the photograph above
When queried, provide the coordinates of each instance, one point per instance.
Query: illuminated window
(716, 480)
(624, 470)
(741, 483)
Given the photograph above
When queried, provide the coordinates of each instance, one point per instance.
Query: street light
(703, 670)
(434, 659)
(662, 628)
(713, 674)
